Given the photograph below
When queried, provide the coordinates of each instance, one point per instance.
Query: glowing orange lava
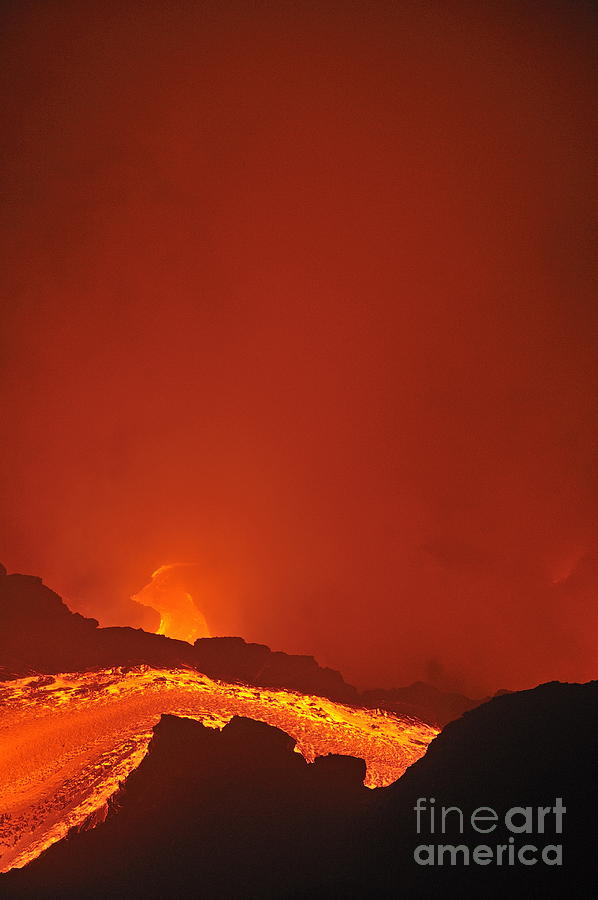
(67, 741)
(180, 617)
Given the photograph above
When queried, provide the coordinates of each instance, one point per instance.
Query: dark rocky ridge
(39, 634)
(422, 700)
(520, 749)
(237, 813)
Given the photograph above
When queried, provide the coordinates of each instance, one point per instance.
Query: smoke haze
(303, 294)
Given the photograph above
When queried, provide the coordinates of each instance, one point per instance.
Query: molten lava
(180, 617)
(67, 741)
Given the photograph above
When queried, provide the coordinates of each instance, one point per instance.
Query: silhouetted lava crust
(39, 634)
(68, 740)
(237, 813)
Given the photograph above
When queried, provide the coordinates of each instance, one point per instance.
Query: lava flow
(67, 741)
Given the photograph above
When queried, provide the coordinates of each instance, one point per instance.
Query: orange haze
(302, 293)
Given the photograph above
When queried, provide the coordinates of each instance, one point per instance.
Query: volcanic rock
(238, 813)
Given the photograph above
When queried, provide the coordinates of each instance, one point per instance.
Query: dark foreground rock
(213, 814)
(238, 814)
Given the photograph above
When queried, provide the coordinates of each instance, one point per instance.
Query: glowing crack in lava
(67, 741)
(180, 617)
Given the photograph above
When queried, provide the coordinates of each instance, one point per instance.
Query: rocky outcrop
(233, 659)
(238, 814)
(39, 634)
(217, 814)
(522, 749)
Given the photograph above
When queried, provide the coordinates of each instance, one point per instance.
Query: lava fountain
(180, 616)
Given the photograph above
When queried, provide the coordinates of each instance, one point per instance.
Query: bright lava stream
(67, 741)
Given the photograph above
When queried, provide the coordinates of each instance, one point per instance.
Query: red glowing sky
(302, 293)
